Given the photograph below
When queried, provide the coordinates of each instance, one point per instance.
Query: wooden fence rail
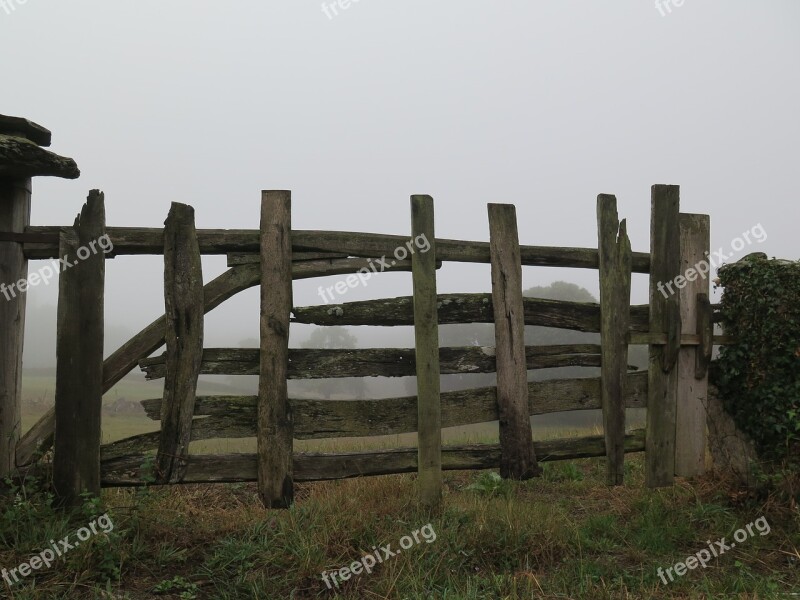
(142, 240)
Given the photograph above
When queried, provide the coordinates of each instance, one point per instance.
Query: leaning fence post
(615, 296)
(275, 426)
(518, 459)
(665, 320)
(79, 356)
(426, 334)
(184, 310)
(690, 437)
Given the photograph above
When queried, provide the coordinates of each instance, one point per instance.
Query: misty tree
(333, 338)
(330, 338)
(482, 334)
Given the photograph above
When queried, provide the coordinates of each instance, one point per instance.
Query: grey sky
(540, 104)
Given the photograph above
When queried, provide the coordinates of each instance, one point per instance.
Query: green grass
(564, 535)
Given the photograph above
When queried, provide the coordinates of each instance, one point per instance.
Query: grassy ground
(565, 535)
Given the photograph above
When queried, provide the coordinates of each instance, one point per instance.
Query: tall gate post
(426, 344)
(275, 424)
(665, 320)
(21, 158)
(79, 356)
(690, 440)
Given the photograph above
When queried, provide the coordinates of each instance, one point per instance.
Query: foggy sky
(539, 104)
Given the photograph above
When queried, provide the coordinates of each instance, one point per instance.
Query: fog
(540, 104)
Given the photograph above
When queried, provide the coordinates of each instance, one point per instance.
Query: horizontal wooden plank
(234, 416)
(232, 468)
(143, 240)
(236, 259)
(464, 308)
(377, 362)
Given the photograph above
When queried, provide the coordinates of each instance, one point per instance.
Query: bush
(759, 376)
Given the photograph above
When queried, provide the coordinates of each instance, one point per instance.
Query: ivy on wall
(759, 376)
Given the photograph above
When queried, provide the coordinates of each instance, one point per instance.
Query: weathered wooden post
(426, 336)
(690, 437)
(21, 158)
(184, 313)
(614, 250)
(79, 355)
(665, 323)
(516, 438)
(275, 425)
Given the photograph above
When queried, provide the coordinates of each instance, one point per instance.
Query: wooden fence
(677, 327)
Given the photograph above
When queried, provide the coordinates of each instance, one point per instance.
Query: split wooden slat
(232, 468)
(615, 295)
(79, 356)
(184, 310)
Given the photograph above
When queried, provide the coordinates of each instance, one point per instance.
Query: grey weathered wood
(184, 310)
(241, 424)
(664, 318)
(326, 363)
(275, 484)
(426, 336)
(126, 357)
(231, 468)
(615, 295)
(692, 396)
(518, 457)
(15, 211)
(141, 240)
(464, 308)
(318, 419)
(40, 437)
(20, 158)
(705, 330)
(253, 258)
(79, 357)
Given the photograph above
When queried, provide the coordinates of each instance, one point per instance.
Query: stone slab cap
(22, 155)
(19, 127)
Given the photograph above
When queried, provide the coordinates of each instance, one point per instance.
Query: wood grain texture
(615, 294)
(310, 363)
(15, 212)
(275, 429)
(142, 240)
(692, 394)
(79, 357)
(232, 468)
(705, 331)
(235, 416)
(184, 310)
(464, 308)
(40, 437)
(426, 342)
(664, 318)
(518, 457)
